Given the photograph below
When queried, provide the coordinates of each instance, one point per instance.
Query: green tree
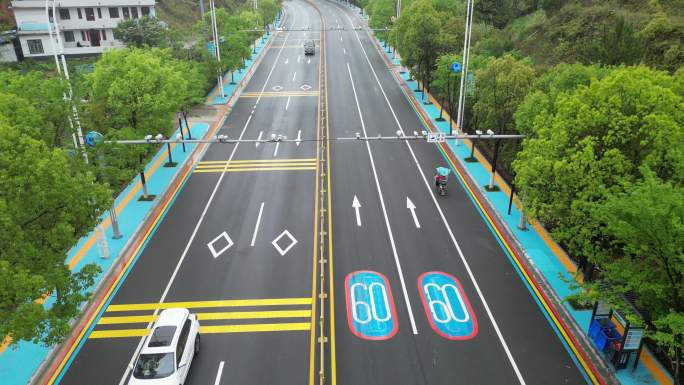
(49, 111)
(136, 88)
(147, 31)
(591, 143)
(418, 35)
(46, 203)
(645, 258)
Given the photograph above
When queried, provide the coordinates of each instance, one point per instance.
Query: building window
(64, 14)
(134, 12)
(99, 13)
(104, 34)
(35, 46)
(50, 14)
(80, 15)
(83, 36)
(69, 36)
(114, 13)
(90, 14)
(145, 11)
(126, 15)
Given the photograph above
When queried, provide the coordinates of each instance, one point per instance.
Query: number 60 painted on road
(446, 306)
(370, 307)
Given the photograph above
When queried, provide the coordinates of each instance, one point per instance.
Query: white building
(85, 26)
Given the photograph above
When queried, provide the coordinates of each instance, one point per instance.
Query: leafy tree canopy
(145, 31)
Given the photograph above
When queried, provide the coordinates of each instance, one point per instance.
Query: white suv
(169, 349)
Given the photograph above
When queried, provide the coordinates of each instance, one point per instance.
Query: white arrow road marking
(256, 227)
(412, 207)
(229, 243)
(218, 374)
(299, 138)
(357, 205)
(288, 103)
(259, 138)
(293, 241)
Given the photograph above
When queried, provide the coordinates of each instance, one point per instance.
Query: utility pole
(201, 4)
(466, 59)
(398, 9)
(214, 30)
(63, 70)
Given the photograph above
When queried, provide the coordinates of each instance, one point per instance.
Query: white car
(168, 351)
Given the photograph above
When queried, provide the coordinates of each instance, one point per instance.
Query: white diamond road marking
(305, 87)
(277, 247)
(277, 88)
(229, 243)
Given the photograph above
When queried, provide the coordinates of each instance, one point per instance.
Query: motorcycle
(441, 179)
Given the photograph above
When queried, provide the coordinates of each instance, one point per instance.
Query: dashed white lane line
(288, 103)
(384, 209)
(256, 227)
(294, 76)
(218, 374)
(127, 371)
(490, 315)
(275, 152)
(259, 138)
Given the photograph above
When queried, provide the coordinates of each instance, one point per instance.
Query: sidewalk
(547, 257)
(19, 364)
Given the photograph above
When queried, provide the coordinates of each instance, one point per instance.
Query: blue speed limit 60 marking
(446, 306)
(370, 307)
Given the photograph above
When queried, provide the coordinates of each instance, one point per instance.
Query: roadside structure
(85, 27)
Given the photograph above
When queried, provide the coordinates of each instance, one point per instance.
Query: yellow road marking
(119, 333)
(278, 94)
(208, 330)
(255, 328)
(313, 168)
(212, 316)
(254, 165)
(210, 304)
(260, 161)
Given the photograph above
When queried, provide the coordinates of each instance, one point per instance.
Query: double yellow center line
(256, 165)
(213, 316)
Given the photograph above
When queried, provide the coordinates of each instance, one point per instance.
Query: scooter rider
(441, 177)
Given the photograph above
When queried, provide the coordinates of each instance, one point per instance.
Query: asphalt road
(245, 227)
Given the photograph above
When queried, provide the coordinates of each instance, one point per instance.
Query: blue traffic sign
(92, 138)
(455, 67)
(371, 314)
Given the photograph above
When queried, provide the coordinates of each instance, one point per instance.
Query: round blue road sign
(92, 138)
(455, 67)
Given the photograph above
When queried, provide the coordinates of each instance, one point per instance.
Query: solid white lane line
(490, 315)
(275, 152)
(199, 223)
(288, 103)
(294, 76)
(256, 227)
(218, 374)
(259, 138)
(384, 209)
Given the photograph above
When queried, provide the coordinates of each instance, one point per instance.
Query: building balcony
(72, 24)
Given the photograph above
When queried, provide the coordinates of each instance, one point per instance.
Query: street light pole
(466, 59)
(63, 70)
(214, 30)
